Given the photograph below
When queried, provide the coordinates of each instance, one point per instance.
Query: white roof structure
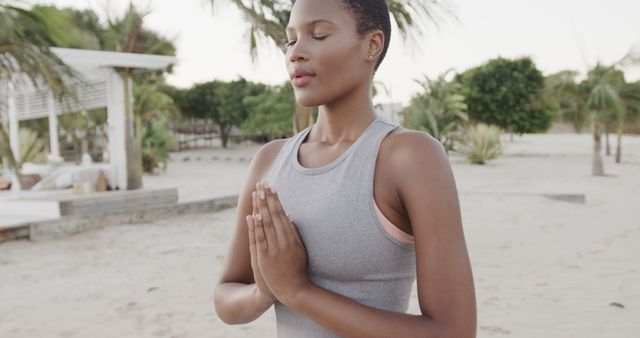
(101, 86)
(92, 60)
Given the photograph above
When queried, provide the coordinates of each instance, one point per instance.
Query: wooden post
(54, 145)
(115, 112)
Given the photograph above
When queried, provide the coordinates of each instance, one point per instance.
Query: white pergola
(101, 86)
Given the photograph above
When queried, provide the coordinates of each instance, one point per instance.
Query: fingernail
(273, 190)
(259, 217)
(261, 194)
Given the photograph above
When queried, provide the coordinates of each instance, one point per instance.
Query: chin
(308, 101)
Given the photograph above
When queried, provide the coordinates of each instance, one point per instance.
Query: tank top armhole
(286, 148)
(391, 228)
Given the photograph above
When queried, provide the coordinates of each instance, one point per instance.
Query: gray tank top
(349, 251)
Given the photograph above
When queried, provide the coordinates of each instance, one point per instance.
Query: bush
(157, 142)
(439, 110)
(482, 143)
(32, 149)
(506, 93)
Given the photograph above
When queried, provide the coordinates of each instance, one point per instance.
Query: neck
(345, 118)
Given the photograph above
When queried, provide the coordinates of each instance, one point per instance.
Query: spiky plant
(482, 143)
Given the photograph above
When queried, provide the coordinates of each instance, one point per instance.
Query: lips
(301, 77)
(299, 72)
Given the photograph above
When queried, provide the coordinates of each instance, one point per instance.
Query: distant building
(391, 111)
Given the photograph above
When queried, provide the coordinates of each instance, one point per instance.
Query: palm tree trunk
(608, 147)
(132, 146)
(619, 145)
(597, 168)
(16, 186)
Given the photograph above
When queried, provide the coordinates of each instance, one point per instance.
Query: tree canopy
(506, 93)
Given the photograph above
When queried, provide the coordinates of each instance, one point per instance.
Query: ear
(375, 40)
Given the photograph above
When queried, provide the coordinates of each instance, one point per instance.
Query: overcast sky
(557, 34)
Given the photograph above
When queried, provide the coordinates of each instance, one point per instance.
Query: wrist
(262, 299)
(298, 294)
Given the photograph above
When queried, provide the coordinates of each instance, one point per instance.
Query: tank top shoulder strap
(369, 146)
(283, 155)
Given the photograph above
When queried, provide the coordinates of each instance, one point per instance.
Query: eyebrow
(312, 23)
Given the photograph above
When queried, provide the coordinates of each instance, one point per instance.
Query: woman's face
(322, 40)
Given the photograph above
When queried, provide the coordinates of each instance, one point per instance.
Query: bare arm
(239, 303)
(445, 285)
(237, 298)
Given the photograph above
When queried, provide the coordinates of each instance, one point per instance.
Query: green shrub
(439, 110)
(157, 142)
(32, 148)
(482, 143)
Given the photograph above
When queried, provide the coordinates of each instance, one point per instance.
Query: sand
(542, 267)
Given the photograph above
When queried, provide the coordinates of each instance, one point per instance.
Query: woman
(349, 212)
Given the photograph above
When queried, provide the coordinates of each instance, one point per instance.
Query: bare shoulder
(406, 149)
(426, 186)
(418, 167)
(266, 154)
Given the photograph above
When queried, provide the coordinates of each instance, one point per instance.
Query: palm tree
(630, 94)
(25, 38)
(562, 93)
(605, 86)
(153, 111)
(268, 20)
(128, 35)
(440, 110)
(606, 104)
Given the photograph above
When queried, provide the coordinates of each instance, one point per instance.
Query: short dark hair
(370, 15)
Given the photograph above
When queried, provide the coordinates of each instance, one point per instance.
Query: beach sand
(542, 267)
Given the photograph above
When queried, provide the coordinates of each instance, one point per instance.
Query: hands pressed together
(278, 255)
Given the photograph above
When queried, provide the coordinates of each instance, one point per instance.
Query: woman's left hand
(282, 256)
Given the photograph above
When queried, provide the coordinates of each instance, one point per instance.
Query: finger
(260, 238)
(252, 240)
(252, 234)
(294, 229)
(267, 223)
(275, 206)
(286, 217)
(289, 230)
(255, 202)
(280, 222)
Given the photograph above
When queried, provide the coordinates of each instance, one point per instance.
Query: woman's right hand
(263, 290)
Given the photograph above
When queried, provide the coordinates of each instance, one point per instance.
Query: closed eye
(290, 43)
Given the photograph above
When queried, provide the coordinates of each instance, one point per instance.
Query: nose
(296, 58)
(296, 52)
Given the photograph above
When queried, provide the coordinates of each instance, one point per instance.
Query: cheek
(338, 62)
(340, 67)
